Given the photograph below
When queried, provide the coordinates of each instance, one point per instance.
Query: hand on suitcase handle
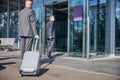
(36, 37)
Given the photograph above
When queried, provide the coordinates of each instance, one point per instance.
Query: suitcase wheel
(22, 75)
(37, 74)
(20, 72)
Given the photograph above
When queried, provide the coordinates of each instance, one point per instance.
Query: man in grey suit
(27, 27)
(50, 35)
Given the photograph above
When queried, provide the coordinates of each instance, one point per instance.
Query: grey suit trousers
(25, 45)
(50, 44)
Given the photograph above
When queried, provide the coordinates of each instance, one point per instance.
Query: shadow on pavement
(2, 67)
(46, 60)
(42, 71)
(7, 63)
(57, 55)
(6, 58)
(49, 61)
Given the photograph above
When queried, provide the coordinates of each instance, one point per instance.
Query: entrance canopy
(59, 6)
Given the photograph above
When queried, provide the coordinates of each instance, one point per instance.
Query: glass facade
(8, 18)
(3, 21)
(97, 27)
(3, 24)
(13, 19)
(83, 27)
(76, 27)
(117, 30)
(38, 8)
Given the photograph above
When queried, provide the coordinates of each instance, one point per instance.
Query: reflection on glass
(13, 19)
(76, 28)
(8, 22)
(53, 1)
(97, 26)
(13, 27)
(3, 24)
(48, 1)
(13, 24)
(38, 8)
(117, 30)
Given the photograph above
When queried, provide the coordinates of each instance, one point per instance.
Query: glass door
(48, 12)
(60, 12)
(76, 30)
(97, 27)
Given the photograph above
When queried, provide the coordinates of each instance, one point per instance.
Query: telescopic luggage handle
(34, 47)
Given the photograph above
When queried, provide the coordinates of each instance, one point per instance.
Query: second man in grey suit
(50, 35)
(27, 27)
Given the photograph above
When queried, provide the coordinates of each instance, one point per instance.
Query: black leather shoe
(50, 57)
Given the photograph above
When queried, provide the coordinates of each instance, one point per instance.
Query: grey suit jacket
(50, 29)
(27, 23)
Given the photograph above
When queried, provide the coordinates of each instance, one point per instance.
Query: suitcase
(30, 63)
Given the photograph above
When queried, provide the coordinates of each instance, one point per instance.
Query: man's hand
(36, 37)
(51, 38)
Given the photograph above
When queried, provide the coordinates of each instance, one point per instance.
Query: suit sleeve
(33, 22)
(49, 30)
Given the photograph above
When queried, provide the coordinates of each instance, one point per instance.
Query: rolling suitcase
(30, 63)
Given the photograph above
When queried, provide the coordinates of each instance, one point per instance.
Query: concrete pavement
(61, 68)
